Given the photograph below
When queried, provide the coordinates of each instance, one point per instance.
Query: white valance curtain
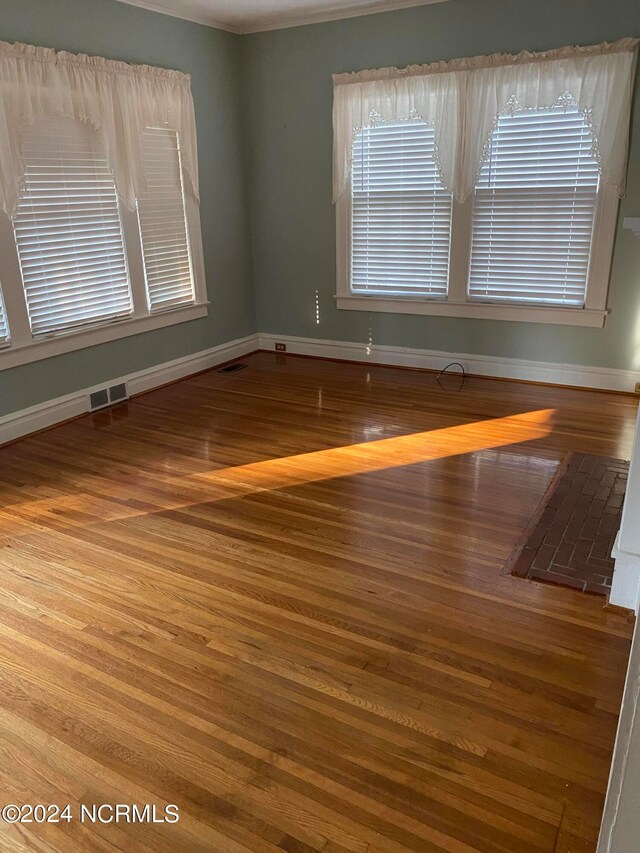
(463, 99)
(119, 100)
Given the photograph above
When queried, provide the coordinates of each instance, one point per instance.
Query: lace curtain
(119, 100)
(462, 100)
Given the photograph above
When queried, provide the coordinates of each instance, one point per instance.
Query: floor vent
(232, 368)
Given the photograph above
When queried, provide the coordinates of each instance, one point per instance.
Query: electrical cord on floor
(453, 364)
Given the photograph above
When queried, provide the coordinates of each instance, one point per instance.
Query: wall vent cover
(232, 368)
(98, 399)
(118, 392)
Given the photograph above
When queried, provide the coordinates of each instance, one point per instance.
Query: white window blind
(4, 326)
(68, 230)
(163, 223)
(401, 213)
(534, 210)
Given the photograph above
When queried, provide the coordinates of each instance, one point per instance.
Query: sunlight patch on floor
(102, 499)
(385, 453)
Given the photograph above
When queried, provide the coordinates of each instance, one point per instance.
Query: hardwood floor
(274, 598)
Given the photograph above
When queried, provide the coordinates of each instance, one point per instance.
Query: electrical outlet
(281, 347)
(637, 388)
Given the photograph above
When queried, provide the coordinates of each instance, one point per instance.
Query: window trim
(457, 304)
(22, 348)
(16, 355)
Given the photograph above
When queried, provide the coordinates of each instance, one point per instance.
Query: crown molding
(285, 21)
(205, 20)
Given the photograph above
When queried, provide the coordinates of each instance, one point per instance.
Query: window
(163, 224)
(86, 269)
(4, 328)
(99, 202)
(533, 242)
(534, 210)
(483, 186)
(68, 231)
(401, 213)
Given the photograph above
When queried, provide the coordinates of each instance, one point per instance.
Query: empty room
(319, 467)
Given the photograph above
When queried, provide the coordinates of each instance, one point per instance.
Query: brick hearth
(570, 540)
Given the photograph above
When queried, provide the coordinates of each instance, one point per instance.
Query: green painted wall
(288, 121)
(119, 31)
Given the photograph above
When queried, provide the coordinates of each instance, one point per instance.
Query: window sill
(477, 310)
(17, 354)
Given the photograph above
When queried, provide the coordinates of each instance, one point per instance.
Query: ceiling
(251, 16)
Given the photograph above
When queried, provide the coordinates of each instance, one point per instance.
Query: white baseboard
(19, 424)
(603, 378)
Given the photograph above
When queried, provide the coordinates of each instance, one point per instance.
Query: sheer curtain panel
(117, 99)
(463, 99)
